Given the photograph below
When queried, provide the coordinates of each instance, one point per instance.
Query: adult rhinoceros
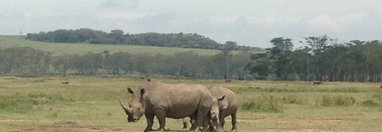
(155, 98)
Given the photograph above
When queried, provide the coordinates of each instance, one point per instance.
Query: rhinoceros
(212, 121)
(227, 105)
(155, 98)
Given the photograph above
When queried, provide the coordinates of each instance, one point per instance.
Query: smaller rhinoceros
(227, 105)
(212, 121)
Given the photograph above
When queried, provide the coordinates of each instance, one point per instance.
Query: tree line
(26, 61)
(322, 58)
(84, 35)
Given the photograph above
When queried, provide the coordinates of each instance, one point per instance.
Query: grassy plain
(91, 104)
(81, 48)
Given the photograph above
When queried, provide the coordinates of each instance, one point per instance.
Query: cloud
(355, 18)
(121, 15)
(272, 21)
(339, 23)
(269, 21)
(325, 22)
(222, 20)
(119, 4)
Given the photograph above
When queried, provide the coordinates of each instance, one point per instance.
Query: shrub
(369, 103)
(292, 99)
(346, 90)
(3, 129)
(378, 96)
(23, 103)
(338, 100)
(263, 104)
(3, 104)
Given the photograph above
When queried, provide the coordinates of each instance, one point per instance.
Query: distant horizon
(293, 41)
(247, 22)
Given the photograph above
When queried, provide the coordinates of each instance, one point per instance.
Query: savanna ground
(91, 104)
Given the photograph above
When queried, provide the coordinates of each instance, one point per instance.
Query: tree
(318, 62)
(117, 36)
(240, 65)
(119, 63)
(280, 56)
(24, 61)
(184, 40)
(318, 44)
(229, 46)
(260, 67)
(281, 46)
(89, 63)
(62, 64)
(300, 61)
(186, 64)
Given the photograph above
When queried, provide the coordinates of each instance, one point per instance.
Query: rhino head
(135, 109)
(214, 112)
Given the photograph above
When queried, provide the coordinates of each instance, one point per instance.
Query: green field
(81, 48)
(91, 104)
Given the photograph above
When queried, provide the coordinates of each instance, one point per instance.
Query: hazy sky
(248, 22)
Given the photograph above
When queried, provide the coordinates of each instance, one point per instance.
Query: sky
(248, 22)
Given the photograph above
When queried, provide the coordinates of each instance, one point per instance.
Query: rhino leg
(150, 121)
(185, 122)
(161, 115)
(222, 122)
(192, 121)
(200, 118)
(221, 118)
(233, 116)
(207, 126)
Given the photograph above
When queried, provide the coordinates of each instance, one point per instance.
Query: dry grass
(91, 104)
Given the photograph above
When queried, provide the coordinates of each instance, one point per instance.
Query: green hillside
(80, 48)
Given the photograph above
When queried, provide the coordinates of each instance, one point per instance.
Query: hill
(118, 37)
(81, 48)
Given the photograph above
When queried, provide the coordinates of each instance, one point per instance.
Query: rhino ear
(130, 90)
(142, 91)
(221, 98)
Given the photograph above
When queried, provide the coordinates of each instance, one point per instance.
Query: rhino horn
(127, 109)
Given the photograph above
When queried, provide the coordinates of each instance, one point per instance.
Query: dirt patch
(319, 121)
(67, 126)
(293, 121)
(303, 124)
(301, 130)
(46, 128)
(70, 126)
